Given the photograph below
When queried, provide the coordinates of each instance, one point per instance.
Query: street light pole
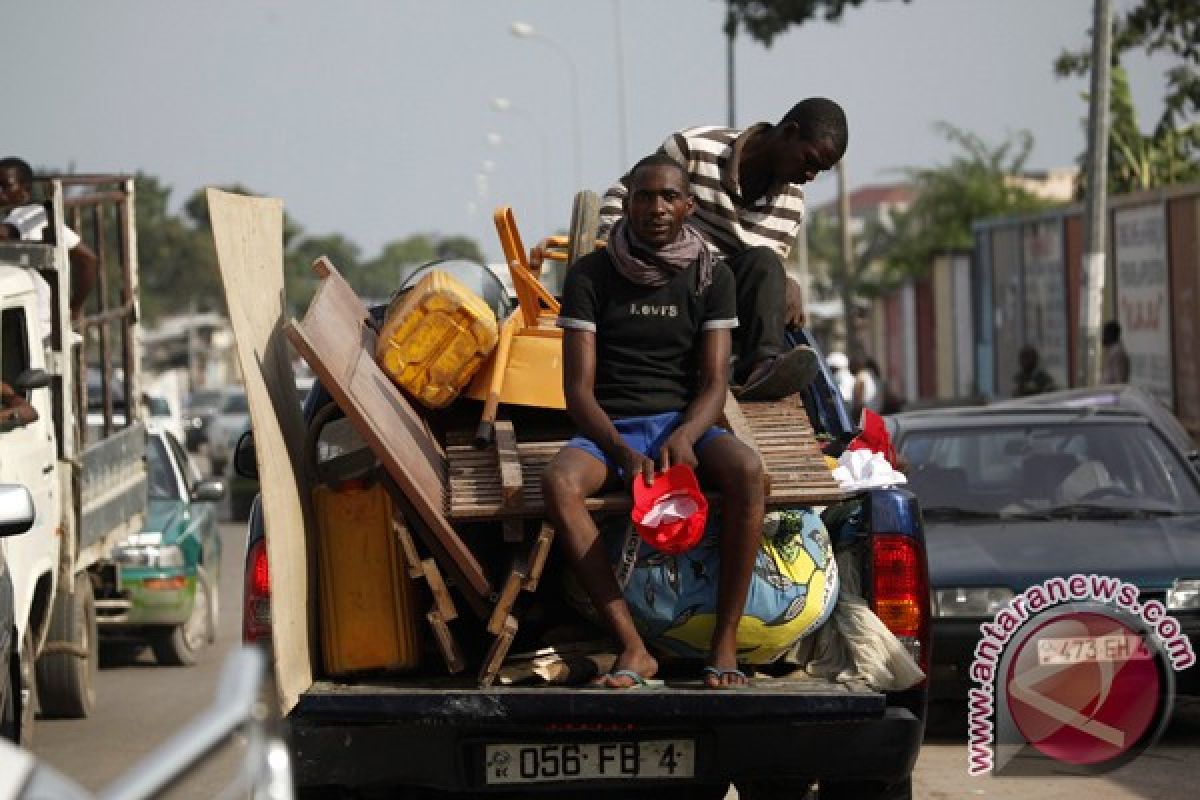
(523, 30)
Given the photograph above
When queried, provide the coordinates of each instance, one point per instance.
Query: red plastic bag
(874, 437)
(670, 515)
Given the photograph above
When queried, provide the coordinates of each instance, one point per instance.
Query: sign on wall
(1143, 304)
(1045, 296)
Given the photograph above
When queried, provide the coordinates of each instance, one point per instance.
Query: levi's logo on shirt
(644, 310)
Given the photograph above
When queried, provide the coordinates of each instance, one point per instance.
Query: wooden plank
(248, 234)
(537, 557)
(508, 597)
(731, 416)
(442, 600)
(446, 643)
(496, 653)
(509, 462)
(337, 341)
(411, 559)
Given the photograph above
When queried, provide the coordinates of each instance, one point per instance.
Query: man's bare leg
(568, 480)
(732, 468)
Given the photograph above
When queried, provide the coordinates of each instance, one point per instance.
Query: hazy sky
(371, 118)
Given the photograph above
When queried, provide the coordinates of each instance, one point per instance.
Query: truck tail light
(900, 596)
(256, 612)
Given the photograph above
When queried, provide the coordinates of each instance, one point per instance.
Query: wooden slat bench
(505, 479)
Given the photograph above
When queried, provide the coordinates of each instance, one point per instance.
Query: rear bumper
(835, 738)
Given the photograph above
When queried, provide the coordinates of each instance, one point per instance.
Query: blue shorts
(646, 435)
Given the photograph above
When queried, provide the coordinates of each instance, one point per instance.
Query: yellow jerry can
(434, 339)
(368, 603)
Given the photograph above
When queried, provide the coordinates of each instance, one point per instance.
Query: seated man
(21, 219)
(646, 349)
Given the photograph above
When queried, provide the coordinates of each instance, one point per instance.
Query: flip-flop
(638, 681)
(789, 373)
(720, 674)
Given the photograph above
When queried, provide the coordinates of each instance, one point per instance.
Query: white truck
(87, 476)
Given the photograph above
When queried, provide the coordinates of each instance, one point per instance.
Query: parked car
(230, 420)
(16, 662)
(163, 413)
(1014, 495)
(201, 406)
(168, 573)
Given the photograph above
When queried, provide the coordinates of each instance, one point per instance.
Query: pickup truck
(775, 740)
(426, 732)
(82, 458)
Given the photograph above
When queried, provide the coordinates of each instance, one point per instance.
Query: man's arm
(705, 409)
(16, 410)
(579, 380)
(83, 277)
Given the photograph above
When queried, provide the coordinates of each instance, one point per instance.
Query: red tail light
(256, 613)
(900, 583)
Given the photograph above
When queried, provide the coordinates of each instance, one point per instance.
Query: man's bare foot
(629, 663)
(724, 678)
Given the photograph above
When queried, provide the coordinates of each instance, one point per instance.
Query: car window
(234, 404)
(204, 397)
(163, 483)
(158, 406)
(1014, 468)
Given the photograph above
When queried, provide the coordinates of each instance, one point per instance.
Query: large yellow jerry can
(368, 603)
(434, 338)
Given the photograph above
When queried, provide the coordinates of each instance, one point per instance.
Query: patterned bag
(673, 598)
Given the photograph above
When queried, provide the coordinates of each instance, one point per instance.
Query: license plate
(535, 763)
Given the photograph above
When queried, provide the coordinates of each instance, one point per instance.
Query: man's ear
(690, 206)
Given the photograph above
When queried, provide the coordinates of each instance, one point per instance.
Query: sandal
(638, 681)
(721, 674)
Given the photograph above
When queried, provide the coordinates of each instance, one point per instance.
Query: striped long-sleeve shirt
(711, 155)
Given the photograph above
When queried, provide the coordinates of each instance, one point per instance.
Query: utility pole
(1095, 229)
(848, 308)
(731, 35)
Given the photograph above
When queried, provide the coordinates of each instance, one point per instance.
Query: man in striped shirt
(749, 207)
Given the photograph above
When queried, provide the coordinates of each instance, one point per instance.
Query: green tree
(976, 184)
(1136, 161)
(299, 281)
(1155, 26)
(766, 19)
(176, 264)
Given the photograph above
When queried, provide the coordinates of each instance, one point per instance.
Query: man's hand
(634, 463)
(677, 450)
(794, 316)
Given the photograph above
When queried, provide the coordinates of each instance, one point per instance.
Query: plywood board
(248, 233)
(338, 342)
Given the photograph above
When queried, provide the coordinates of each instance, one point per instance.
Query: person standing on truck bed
(25, 220)
(749, 206)
(646, 348)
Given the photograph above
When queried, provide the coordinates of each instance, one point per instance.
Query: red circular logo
(1083, 688)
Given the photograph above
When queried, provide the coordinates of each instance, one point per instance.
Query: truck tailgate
(677, 701)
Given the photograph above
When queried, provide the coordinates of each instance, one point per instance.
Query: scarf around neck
(644, 266)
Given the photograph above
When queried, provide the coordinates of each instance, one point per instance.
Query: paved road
(139, 704)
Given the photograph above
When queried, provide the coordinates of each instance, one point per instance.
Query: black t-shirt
(647, 337)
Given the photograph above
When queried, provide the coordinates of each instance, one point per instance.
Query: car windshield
(163, 484)
(1048, 469)
(158, 406)
(234, 404)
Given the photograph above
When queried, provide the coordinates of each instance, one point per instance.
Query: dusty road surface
(140, 704)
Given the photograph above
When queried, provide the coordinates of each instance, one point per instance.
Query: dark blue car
(1015, 495)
